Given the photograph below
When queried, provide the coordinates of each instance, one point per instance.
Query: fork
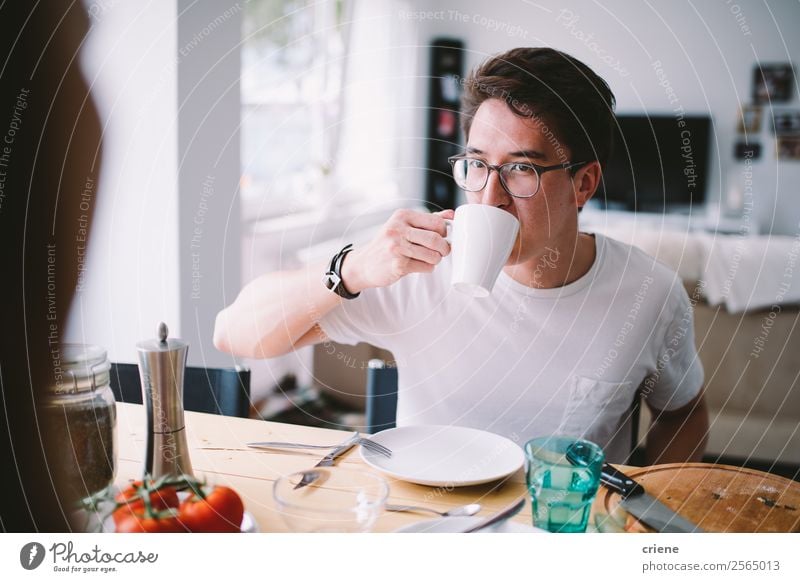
(462, 510)
(364, 442)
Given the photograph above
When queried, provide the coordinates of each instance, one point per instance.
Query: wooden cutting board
(718, 498)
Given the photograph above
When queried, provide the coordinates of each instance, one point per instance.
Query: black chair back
(381, 396)
(636, 456)
(223, 391)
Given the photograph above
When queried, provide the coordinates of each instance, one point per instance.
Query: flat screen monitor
(657, 164)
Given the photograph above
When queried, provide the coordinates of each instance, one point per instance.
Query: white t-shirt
(527, 362)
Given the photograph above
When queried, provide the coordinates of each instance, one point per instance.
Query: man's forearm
(272, 312)
(678, 438)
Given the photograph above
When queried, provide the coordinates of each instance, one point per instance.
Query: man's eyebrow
(528, 154)
(532, 154)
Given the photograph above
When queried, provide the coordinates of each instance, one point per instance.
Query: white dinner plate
(459, 524)
(445, 456)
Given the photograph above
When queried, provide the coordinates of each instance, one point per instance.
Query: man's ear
(586, 182)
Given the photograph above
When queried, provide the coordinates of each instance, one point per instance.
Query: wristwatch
(333, 278)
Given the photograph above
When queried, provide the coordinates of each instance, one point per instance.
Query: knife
(501, 515)
(328, 460)
(643, 506)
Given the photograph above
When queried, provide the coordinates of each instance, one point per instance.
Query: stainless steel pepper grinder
(162, 363)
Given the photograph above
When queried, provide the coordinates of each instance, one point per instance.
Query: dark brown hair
(575, 105)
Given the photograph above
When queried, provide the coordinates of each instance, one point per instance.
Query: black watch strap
(333, 278)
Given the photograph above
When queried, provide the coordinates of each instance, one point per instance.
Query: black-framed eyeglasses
(520, 180)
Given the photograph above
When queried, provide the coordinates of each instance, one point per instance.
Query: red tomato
(160, 500)
(220, 512)
(139, 524)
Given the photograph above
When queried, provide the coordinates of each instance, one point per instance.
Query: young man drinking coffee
(576, 323)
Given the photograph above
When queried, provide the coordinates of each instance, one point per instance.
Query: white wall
(131, 270)
(165, 243)
(705, 50)
(209, 230)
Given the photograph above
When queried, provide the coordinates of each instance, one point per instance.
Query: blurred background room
(246, 137)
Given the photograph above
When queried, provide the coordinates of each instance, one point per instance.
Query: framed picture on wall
(750, 120)
(786, 123)
(773, 83)
(789, 148)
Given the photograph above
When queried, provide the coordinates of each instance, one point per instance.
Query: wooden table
(717, 497)
(218, 453)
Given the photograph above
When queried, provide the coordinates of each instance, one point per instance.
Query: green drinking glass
(563, 474)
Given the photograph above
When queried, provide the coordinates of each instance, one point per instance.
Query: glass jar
(81, 416)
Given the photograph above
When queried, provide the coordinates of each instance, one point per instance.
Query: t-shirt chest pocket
(595, 408)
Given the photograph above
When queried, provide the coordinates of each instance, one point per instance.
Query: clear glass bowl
(336, 500)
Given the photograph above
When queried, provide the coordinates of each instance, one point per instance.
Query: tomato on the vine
(132, 498)
(220, 511)
(154, 505)
(139, 523)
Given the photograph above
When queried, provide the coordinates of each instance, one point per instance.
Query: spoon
(462, 510)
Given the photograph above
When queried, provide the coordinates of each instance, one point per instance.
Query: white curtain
(377, 116)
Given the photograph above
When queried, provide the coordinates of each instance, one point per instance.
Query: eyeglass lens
(472, 174)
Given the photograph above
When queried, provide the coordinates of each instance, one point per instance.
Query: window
(292, 65)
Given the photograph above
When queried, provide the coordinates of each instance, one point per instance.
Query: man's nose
(493, 193)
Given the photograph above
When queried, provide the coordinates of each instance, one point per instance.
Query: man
(576, 322)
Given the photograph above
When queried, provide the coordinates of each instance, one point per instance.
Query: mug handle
(449, 235)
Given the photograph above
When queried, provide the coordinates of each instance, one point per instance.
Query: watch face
(332, 281)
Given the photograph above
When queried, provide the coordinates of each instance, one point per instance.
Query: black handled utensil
(644, 506)
(635, 500)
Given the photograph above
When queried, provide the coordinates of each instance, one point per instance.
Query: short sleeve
(678, 377)
(370, 318)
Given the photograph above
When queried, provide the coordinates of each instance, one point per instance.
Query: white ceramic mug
(481, 237)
